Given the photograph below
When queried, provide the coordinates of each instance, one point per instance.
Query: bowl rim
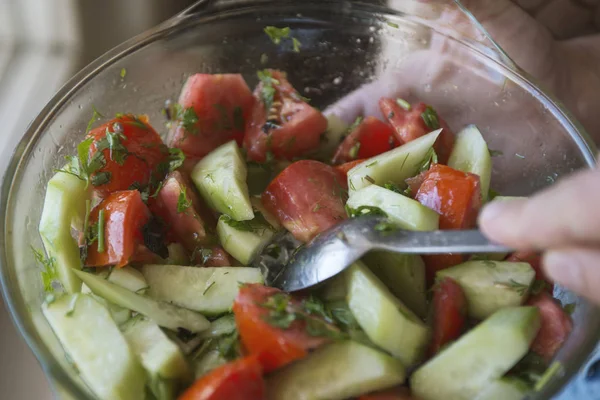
(54, 372)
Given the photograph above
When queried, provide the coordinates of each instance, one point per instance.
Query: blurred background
(43, 43)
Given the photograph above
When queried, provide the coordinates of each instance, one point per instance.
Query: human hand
(564, 221)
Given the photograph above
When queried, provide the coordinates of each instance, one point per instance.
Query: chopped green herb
(208, 287)
(101, 178)
(369, 179)
(365, 210)
(246, 226)
(224, 122)
(49, 272)
(264, 58)
(495, 153)
(95, 117)
(430, 159)
(492, 194)
(116, 150)
(430, 118)
(183, 203)
(185, 117)
(371, 164)
(403, 103)
(176, 158)
(277, 34)
(554, 369)
(354, 125)
(296, 45)
(229, 346)
(316, 208)
(354, 150)
(83, 166)
(519, 155)
(404, 161)
(100, 231)
(123, 73)
(385, 228)
(392, 24)
(570, 308)
(142, 290)
(238, 118)
(273, 250)
(539, 285)
(351, 184)
(520, 288)
(267, 93)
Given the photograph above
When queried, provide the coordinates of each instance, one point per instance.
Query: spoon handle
(437, 242)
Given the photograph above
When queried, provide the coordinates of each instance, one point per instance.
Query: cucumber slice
(126, 277)
(93, 341)
(64, 206)
(219, 327)
(334, 289)
(394, 166)
(504, 389)
(118, 313)
(403, 211)
(471, 154)
(208, 359)
(491, 285)
(331, 138)
(404, 275)
(335, 372)
(259, 208)
(508, 198)
(386, 321)
(244, 244)
(165, 315)
(210, 291)
(161, 358)
(177, 255)
(221, 180)
(479, 357)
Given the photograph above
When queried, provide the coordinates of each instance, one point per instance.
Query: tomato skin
(192, 226)
(535, 260)
(238, 380)
(273, 346)
(409, 125)
(345, 167)
(145, 151)
(372, 137)
(449, 313)
(556, 325)
(399, 393)
(219, 101)
(299, 126)
(125, 214)
(438, 262)
(307, 198)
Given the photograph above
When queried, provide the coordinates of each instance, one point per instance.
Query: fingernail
(563, 269)
(491, 212)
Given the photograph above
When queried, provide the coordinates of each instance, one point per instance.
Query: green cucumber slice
(491, 285)
(165, 315)
(394, 166)
(385, 319)
(471, 154)
(403, 211)
(161, 358)
(210, 291)
(118, 313)
(64, 206)
(93, 341)
(259, 208)
(221, 180)
(505, 389)
(479, 357)
(244, 244)
(126, 277)
(404, 275)
(335, 372)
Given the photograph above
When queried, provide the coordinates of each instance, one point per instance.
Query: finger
(564, 214)
(577, 269)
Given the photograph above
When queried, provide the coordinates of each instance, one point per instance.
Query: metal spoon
(337, 248)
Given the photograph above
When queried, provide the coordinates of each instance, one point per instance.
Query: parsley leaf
(267, 93)
(518, 287)
(354, 150)
(176, 158)
(49, 272)
(430, 118)
(100, 235)
(252, 225)
(430, 158)
(183, 203)
(364, 210)
(296, 45)
(184, 117)
(123, 73)
(95, 117)
(276, 34)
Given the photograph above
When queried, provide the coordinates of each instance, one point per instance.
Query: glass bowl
(352, 52)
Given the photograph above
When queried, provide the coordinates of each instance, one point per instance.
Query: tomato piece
(345, 167)
(143, 255)
(125, 214)
(221, 104)
(185, 217)
(368, 139)
(274, 346)
(288, 129)
(307, 198)
(399, 393)
(219, 258)
(410, 124)
(238, 380)
(438, 262)
(535, 260)
(449, 313)
(132, 152)
(556, 325)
